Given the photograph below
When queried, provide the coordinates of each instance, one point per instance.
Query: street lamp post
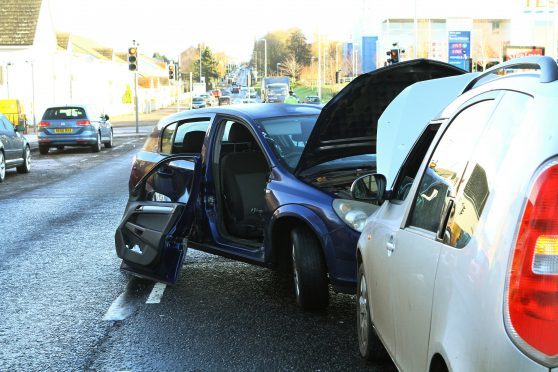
(8, 78)
(277, 69)
(265, 57)
(200, 63)
(33, 94)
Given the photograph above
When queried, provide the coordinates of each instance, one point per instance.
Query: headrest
(193, 141)
(239, 133)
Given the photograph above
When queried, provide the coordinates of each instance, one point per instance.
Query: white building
(420, 27)
(41, 67)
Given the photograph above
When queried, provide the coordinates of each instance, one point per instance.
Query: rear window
(64, 113)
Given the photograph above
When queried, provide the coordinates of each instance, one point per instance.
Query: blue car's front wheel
(309, 270)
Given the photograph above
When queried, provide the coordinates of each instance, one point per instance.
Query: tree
(298, 47)
(209, 67)
(276, 50)
(291, 67)
(161, 57)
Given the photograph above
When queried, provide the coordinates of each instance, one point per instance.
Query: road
(66, 306)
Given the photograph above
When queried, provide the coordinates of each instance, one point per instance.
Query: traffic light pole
(136, 99)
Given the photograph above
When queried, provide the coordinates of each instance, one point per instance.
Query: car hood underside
(348, 124)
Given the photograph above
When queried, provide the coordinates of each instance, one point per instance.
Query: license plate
(63, 130)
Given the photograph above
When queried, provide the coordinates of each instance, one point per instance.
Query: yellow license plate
(64, 130)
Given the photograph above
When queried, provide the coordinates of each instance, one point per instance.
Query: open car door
(152, 236)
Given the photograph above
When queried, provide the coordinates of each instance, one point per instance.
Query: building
(445, 30)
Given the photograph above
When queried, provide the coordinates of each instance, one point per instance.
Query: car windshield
(64, 113)
(288, 136)
(313, 99)
(197, 100)
(278, 90)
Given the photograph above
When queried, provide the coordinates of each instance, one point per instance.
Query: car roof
(526, 82)
(249, 112)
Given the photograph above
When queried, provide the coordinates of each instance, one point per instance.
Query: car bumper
(67, 139)
(343, 270)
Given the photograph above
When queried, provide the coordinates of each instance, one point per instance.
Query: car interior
(242, 176)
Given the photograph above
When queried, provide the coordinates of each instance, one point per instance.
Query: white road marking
(120, 309)
(156, 293)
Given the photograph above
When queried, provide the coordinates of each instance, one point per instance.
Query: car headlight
(353, 213)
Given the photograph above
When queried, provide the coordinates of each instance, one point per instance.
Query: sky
(171, 26)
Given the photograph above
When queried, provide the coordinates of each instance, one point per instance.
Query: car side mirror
(105, 117)
(370, 187)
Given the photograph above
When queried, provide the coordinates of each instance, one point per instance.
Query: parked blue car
(264, 184)
(74, 125)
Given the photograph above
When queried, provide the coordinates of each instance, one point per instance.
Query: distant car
(198, 102)
(235, 89)
(208, 98)
(312, 100)
(216, 93)
(224, 100)
(265, 184)
(457, 267)
(74, 125)
(14, 149)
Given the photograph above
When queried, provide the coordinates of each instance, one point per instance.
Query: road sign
(459, 48)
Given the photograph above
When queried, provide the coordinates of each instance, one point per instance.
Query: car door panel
(158, 218)
(414, 262)
(418, 247)
(143, 226)
(8, 135)
(377, 262)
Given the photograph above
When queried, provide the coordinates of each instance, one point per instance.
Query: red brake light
(83, 122)
(532, 298)
(44, 124)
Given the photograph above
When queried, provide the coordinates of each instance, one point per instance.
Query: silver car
(458, 267)
(75, 125)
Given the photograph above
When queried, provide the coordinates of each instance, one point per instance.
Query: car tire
(108, 144)
(96, 147)
(2, 166)
(309, 271)
(26, 166)
(43, 150)
(369, 345)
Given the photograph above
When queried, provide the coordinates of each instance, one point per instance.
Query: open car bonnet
(348, 124)
(412, 109)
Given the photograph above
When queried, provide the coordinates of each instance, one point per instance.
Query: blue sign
(459, 48)
(369, 53)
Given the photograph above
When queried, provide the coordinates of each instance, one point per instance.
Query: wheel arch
(283, 221)
(438, 363)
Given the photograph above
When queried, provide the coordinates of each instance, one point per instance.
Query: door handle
(390, 244)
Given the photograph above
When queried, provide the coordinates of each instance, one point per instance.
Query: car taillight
(44, 124)
(83, 122)
(532, 290)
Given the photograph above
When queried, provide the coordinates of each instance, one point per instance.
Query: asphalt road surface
(65, 305)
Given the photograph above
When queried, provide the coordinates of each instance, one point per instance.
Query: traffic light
(171, 71)
(132, 58)
(394, 55)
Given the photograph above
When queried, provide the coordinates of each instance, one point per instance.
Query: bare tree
(291, 67)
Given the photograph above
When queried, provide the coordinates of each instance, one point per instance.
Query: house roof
(62, 39)
(18, 21)
(83, 45)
